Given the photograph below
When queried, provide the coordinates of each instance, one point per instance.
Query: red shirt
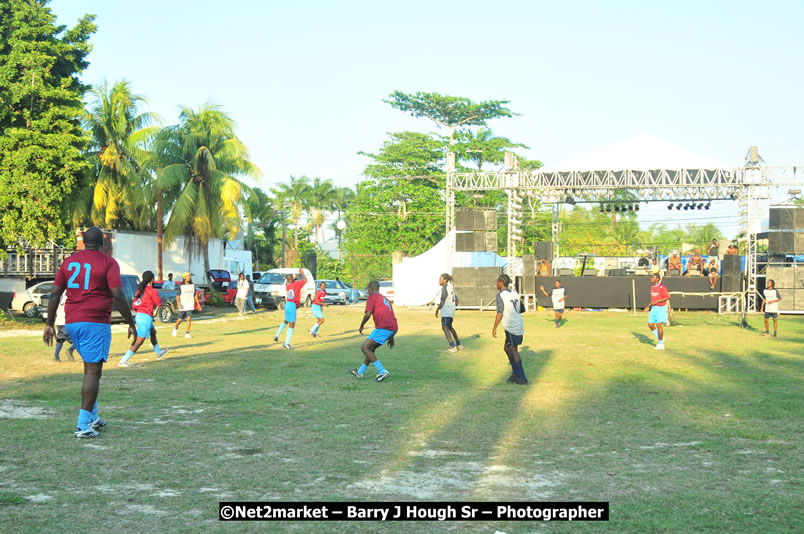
(147, 302)
(382, 312)
(658, 292)
(294, 290)
(319, 297)
(89, 276)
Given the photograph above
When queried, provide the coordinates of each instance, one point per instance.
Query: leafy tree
(198, 163)
(123, 188)
(264, 225)
(321, 200)
(482, 147)
(450, 112)
(41, 140)
(408, 156)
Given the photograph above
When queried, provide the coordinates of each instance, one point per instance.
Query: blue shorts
(92, 340)
(145, 324)
(290, 312)
(318, 311)
(658, 314)
(381, 335)
(446, 321)
(512, 340)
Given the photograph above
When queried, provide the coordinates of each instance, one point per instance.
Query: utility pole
(283, 233)
(159, 230)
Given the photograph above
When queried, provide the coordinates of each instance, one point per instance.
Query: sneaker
(56, 359)
(188, 336)
(97, 424)
(175, 332)
(520, 381)
(660, 346)
(460, 347)
(88, 433)
(70, 353)
(354, 372)
(121, 363)
(763, 334)
(382, 376)
(453, 349)
(286, 346)
(162, 354)
(511, 379)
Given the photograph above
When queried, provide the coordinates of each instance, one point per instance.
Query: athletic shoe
(763, 334)
(382, 376)
(511, 379)
(286, 346)
(97, 424)
(453, 349)
(162, 354)
(56, 360)
(354, 372)
(276, 338)
(70, 352)
(88, 433)
(660, 346)
(121, 363)
(460, 347)
(521, 381)
(175, 332)
(188, 336)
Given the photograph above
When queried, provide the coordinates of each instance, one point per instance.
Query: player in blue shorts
(93, 285)
(509, 313)
(146, 299)
(293, 289)
(659, 299)
(318, 308)
(385, 328)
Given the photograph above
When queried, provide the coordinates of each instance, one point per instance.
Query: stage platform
(617, 291)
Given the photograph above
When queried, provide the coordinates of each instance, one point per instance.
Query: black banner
(413, 511)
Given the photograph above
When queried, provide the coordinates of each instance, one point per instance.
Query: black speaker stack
(785, 239)
(731, 277)
(528, 286)
(475, 286)
(476, 231)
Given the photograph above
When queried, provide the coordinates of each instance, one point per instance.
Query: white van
(269, 290)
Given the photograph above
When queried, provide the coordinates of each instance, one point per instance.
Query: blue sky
(305, 80)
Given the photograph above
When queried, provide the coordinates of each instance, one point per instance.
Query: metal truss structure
(749, 185)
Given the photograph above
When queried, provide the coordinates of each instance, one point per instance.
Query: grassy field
(703, 437)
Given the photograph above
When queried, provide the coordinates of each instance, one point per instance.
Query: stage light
(700, 206)
(630, 207)
(678, 206)
(608, 208)
(669, 206)
(601, 208)
(686, 207)
(636, 208)
(569, 200)
(707, 205)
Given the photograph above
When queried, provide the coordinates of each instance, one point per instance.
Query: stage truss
(750, 186)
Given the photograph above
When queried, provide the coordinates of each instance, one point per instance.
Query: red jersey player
(385, 328)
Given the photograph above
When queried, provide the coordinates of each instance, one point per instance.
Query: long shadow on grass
(645, 340)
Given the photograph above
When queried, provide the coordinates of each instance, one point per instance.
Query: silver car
(336, 293)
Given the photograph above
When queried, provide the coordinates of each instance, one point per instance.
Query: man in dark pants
(93, 285)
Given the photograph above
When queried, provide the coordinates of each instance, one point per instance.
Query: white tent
(641, 152)
(416, 278)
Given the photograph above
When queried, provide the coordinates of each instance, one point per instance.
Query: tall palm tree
(322, 199)
(294, 195)
(120, 137)
(199, 161)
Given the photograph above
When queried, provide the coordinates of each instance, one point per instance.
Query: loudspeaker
(798, 219)
(731, 283)
(565, 272)
(479, 239)
(491, 242)
(544, 250)
(798, 243)
(528, 266)
(783, 277)
(478, 221)
(676, 272)
(788, 298)
(490, 217)
(464, 220)
(781, 242)
(464, 242)
(782, 219)
(617, 272)
(730, 264)
(590, 272)
(529, 284)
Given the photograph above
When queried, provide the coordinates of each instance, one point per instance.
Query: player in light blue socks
(288, 336)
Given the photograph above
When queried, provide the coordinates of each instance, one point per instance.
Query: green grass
(703, 437)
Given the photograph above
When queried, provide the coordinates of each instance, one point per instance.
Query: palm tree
(118, 151)
(199, 162)
(263, 218)
(322, 200)
(294, 195)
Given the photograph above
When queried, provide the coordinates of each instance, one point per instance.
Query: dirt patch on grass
(12, 409)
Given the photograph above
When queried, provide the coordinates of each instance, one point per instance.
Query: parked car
(256, 275)
(222, 282)
(270, 289)
(354, 294)
(387, 289)
(164, 313)
(28, 301)
(336, 292)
